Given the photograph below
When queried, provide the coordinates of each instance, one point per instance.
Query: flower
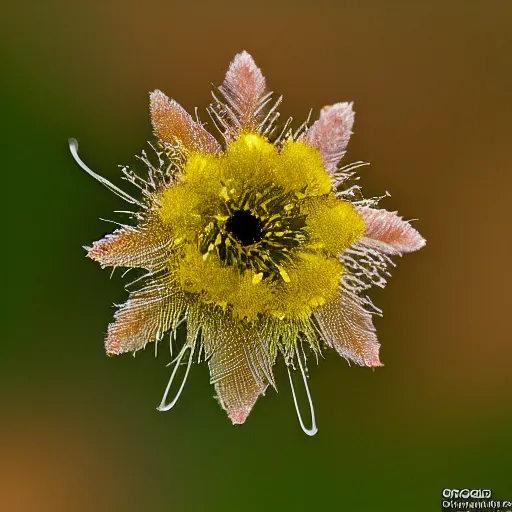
(260, 242)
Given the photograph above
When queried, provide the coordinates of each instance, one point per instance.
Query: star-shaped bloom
(254, 239)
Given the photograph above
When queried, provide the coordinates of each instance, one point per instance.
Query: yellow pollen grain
(284, 275)
(256, 278)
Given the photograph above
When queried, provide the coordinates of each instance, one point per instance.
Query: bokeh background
(432, 83)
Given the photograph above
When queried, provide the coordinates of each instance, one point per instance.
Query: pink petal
(130, 247)
(244, 90)
(348, 327)
(171, 123)
(239, 360)
(387, 232)
(145, 316)
(331, 133)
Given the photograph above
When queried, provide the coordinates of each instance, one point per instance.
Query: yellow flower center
(258, 229)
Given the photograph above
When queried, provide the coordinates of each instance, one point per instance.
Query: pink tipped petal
(348, 327)
(244, 90)
(388, 232)
(331, 133)
(171, 123)
(238, 416)
(145, 316)
(130, 247)
(239, 361)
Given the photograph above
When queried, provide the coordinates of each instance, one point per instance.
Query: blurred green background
(432, 83)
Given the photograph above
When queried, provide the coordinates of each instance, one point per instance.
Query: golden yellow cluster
(211, 184)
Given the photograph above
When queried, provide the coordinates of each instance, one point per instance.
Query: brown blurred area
(431, 83)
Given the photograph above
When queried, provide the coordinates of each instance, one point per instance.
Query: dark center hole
(245, 227)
